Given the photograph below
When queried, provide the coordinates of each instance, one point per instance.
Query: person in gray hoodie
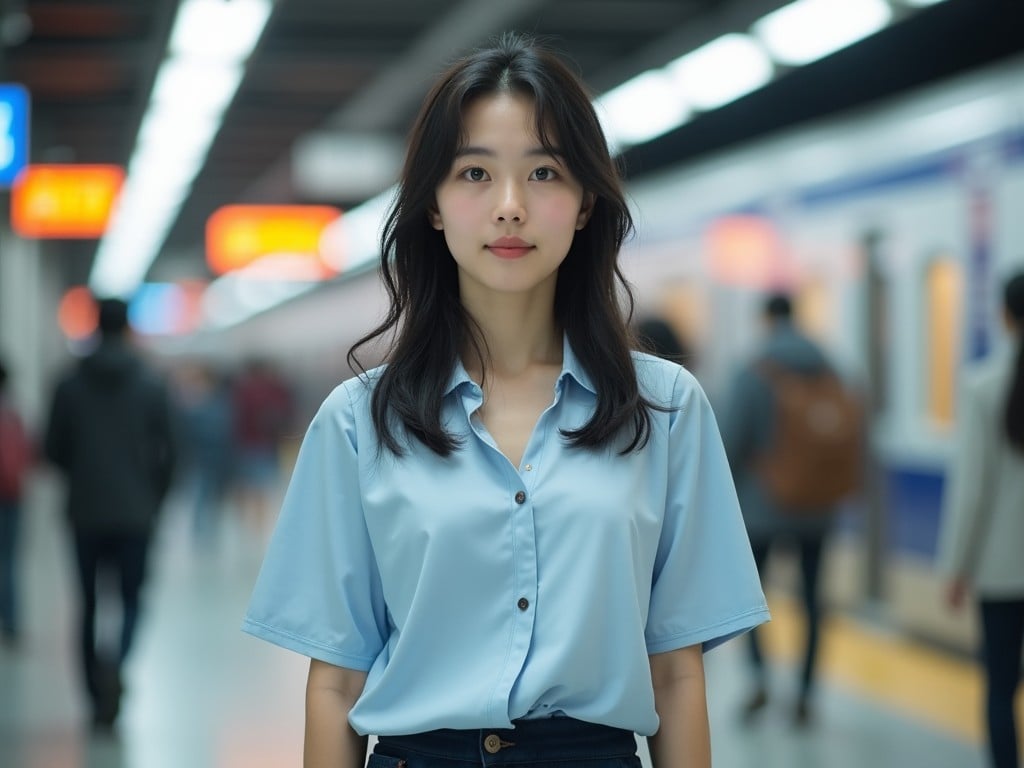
(110, 434)
(748, 426)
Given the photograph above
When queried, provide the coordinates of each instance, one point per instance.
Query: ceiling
(359, 65)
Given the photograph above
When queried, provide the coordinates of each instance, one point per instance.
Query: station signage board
(239, 236)
(14, 122)
(64, 201)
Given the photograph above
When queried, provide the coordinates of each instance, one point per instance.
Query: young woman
(512, 543)
(983, 523)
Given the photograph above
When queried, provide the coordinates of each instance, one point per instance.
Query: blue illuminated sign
(13, 132)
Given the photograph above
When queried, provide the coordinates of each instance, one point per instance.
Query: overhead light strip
(210, 42)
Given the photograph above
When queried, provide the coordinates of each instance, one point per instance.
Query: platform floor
(201, 694)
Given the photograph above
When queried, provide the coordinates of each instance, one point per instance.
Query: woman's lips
(509, 248)
(509, 252)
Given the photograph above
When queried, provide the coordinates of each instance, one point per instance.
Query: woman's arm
(330, 741)
(684, 738)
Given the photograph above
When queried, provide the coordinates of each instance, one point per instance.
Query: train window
(943, 305)
(813, 305)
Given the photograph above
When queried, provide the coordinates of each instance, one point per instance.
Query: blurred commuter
(658, 338)
(983, 522)
(263, 411)
(516, 536)
(794, 439)
(16, 454)
(110, 433)
(205, 412)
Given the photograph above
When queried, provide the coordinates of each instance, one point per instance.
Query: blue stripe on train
(914, 507)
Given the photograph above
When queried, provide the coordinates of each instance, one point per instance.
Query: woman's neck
(516, 336)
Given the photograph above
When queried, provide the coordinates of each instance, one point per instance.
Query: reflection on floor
(203, 695)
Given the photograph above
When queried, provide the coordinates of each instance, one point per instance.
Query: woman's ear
(586, 208)
(434, 217)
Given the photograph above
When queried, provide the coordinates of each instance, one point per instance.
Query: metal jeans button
(492, 744)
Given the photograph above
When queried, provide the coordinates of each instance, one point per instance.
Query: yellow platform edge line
(920, 682)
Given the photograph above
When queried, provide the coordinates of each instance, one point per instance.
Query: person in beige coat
(983, 521)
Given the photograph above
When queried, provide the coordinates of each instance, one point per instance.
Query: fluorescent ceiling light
(807, 30)
(203, 89)
(721, 71)
(165, 128)
(345, 166)
(219, 30)
(641, 109)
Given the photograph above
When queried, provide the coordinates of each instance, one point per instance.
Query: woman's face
(508, 208)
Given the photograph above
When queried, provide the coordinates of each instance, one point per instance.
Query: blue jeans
(557, 742)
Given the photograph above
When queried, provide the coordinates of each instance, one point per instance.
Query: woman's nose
(510, 205)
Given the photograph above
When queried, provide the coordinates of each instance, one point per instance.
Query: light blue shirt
(475, 593)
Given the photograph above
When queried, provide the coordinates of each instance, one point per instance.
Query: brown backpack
(816, 455)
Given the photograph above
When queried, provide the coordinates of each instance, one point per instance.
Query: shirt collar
(571, 366)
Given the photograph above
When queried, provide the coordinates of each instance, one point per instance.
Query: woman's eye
(475, 174)
(545, 174)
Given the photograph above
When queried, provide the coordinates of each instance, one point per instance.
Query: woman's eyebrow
(535, 152)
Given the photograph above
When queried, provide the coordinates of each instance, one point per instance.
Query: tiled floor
(203, 695)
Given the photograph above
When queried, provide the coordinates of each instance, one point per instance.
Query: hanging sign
(14, 109)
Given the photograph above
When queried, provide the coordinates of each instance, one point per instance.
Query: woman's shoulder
(663, 380)
(352, 394)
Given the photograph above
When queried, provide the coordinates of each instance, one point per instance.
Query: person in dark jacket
(110, 433)
(748, 431)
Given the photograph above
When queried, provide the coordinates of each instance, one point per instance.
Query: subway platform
(201, 694)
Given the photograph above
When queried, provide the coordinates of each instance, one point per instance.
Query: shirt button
(520, 497)
(528, 467)
(523, 603)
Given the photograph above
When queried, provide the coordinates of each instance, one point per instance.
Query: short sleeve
(318, 591)
(706, 587)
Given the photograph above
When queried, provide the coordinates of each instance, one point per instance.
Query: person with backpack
(793, 435)
(983, 520)
(16, 457)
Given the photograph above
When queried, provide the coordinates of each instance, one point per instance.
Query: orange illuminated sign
(240, 235)
(64, 201)
(745, 250)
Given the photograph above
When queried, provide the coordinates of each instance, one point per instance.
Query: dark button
(520, 497)
(492, 744)
(523, 603)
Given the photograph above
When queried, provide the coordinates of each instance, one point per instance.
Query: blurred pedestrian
(110, 433)
(16, 456)
(793, 435)
(517, 537)
(983, 521)
(263, 410)
(204, 409)
(659, 338)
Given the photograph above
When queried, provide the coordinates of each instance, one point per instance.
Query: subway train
(892, 226)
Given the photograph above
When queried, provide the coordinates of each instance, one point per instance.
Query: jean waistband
(555, 738)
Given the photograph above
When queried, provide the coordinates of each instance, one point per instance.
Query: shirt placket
(521, 483)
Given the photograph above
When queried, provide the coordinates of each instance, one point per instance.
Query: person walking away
(16, 457)
(983, 520)
(110, 434)
(793, 434)
(263, 409)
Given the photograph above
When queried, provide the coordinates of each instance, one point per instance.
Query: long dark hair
(1013, 303)
(429, 324)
